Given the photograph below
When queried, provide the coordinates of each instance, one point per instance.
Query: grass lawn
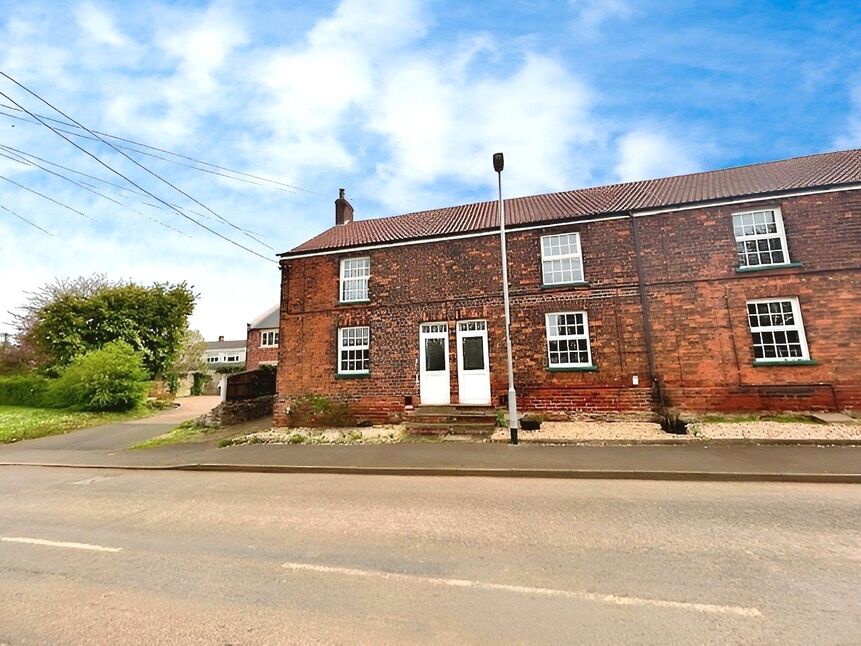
(21, 423)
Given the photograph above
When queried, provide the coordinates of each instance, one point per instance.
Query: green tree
(66, 319)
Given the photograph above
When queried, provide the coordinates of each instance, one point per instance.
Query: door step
(453, 420)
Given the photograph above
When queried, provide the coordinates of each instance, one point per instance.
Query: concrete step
(454, 409)
(444, 428)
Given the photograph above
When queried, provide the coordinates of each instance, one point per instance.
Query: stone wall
(229, 413)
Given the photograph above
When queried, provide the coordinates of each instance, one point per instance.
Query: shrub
(110, 379)
(24, 390)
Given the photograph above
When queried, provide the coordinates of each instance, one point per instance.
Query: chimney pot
(343, 209)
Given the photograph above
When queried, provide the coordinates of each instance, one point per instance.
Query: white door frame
(435, 385)
(473, 385)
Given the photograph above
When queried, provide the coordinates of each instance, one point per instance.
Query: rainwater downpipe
(644, 305)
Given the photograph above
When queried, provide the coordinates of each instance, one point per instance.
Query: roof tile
(813, 171)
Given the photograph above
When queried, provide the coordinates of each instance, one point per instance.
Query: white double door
(473, 368)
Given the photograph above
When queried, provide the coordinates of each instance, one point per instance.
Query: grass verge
(186, 432)
(24, 423)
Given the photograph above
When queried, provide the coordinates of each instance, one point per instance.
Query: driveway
(109, 437)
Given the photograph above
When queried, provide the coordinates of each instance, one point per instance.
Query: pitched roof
(799, 173)
(269, 319)
(225, 345)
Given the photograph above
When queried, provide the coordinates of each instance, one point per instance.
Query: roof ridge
(603, 198)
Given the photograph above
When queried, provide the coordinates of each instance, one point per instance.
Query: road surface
(102, 556)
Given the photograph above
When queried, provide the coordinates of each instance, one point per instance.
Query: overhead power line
(21, 217)
(290, 188)
(31, 156)
(42, 195)
(87, 187)
(113, 147)
(113, 170)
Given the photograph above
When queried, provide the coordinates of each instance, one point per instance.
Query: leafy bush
(110, 379)
(24, 390)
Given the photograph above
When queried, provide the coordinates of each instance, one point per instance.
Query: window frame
(798, 326)
(780, 234)
(366, 279)
(275, 334)
(342, 348)
(570, 256)
(559, 337)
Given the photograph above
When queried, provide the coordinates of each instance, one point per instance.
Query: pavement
(107, 447)
(117, 556)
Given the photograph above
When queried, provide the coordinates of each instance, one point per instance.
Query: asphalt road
(101, 556)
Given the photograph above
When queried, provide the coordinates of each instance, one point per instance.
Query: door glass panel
(472, 348)
(434, 355)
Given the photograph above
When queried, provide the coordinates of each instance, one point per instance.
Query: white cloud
(99, 26)
(442, 122)
(591, 13)
(645, 154)
(852, 137)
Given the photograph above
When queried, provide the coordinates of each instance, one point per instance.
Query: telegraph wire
(113, 147)
(130, 181)
(92, 189)
(50, 199)
(21, 217)
(289, 188)
(114, 184)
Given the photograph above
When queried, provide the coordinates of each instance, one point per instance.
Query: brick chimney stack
(343, 209)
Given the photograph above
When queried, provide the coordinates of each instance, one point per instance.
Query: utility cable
(21, 217)
(130, 181)
(31, 156)
(131, 159)
(92, 189)
(50, 199)
(292, 187)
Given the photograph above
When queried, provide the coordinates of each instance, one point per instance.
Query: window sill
(786, 265)
(358, 375)
(343, 303)
(268, 347)
(762, 363)
(592, 368)
(577, 283)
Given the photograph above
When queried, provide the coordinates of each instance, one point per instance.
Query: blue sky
(402, 102)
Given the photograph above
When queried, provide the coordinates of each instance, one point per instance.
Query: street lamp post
(498, 164)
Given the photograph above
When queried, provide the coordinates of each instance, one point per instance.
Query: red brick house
(262, 340)
(728, 290)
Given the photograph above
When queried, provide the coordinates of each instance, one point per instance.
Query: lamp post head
(498, 162)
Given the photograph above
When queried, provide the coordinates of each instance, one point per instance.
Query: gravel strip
(765, 430)
(592, 431)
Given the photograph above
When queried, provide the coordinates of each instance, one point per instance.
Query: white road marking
(580, 595)
(70, 545)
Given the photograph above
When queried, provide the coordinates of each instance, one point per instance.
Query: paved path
(691, 462)
(112, 437)
(175, 558)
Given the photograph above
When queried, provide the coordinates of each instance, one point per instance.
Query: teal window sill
(762, 363)
(345, 303)
(358, 375)
(573, 369)
(786, 265)
(579, 283)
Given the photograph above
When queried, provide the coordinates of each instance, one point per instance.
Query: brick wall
(702, 345)
(254, 354)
